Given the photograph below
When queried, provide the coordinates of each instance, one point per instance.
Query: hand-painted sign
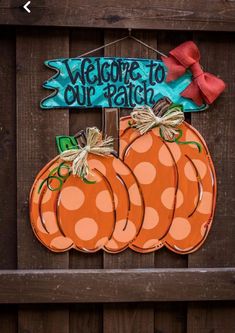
(113, 82)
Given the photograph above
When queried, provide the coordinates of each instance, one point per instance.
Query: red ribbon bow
(205, 86)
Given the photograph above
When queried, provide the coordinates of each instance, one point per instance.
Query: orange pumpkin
(178, 183)
(106, 211)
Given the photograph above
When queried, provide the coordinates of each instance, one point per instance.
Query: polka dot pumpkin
(158, 193)
(106, 214)
(178, 183)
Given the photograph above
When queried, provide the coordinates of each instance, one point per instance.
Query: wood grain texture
(86, 318)
(211, 317)
(8, 218)
(171, 317)
(217, 127)
(36, 131)
(8, 319)
(43, 319)
(117, 285)
(156, 14)
(8, 251)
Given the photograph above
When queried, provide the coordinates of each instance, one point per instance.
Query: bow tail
(193, 92)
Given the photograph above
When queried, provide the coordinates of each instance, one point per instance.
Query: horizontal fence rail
(214, 15)
(116, 285)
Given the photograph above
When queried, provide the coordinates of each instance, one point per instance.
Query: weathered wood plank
(171, 317)
(8, 318)
(85, 318)
(208, 317)
(116, 285)
(44, 319)
(156, 14)
(124, 317)
(36, 131)
(8, 253)
(8, 217)
(217, 126)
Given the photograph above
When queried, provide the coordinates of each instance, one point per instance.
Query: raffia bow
(94, 145)
(167, 117)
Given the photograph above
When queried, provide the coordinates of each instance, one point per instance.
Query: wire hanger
(118, 41)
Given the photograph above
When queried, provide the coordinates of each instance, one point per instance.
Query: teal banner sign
(112, 82)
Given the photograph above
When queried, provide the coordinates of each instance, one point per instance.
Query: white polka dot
(190, 172)
(201, 167)
(86, 228)
(168, 195)
(101, 242)
(155, 131)
(143, 145)
(112, 245)
(134, 195)
(104, 201)
(164, 156)
(120, 167)
(124, 231)
(96, 164)
(152, 243)
(61, 243)
(40, 226)
(151, 218)
(180, 228)
(205, 205)
(145, 172)
(72, 198)
(49, 219)
(175, 150)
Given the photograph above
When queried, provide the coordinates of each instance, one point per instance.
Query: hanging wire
(118, 41)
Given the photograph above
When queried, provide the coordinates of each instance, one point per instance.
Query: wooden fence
(161, 292)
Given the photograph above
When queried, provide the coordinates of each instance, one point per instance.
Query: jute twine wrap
(95, 145)
(145, 118)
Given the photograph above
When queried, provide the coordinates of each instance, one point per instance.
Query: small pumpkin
(101, 210)
(178, 182)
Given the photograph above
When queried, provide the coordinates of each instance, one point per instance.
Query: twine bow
(145, 119)
(95, 145)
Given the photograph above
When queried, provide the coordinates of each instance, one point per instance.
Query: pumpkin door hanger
(100, 208)
(176, 176)
(160, 191)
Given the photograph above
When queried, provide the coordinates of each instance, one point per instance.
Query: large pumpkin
(106, 211)
(178, 183)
